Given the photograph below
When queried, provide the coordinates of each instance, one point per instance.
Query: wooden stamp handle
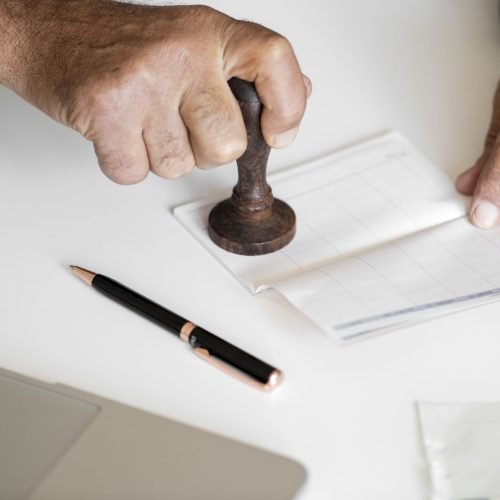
(252, 195)
(252, 221)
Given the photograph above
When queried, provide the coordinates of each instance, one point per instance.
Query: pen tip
(83, 274)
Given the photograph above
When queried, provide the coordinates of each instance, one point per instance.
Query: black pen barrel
(231, 354)
(198, 337)
(138, 303)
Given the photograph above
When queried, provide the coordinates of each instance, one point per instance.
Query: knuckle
(170, 158)
(219, 132)
(277, 48)
(102, 98)
(209, 107)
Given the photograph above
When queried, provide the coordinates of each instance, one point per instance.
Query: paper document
(382, 241)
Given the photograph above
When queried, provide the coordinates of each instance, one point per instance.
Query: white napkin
(461, 444)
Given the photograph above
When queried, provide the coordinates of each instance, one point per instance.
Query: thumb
(485, 208)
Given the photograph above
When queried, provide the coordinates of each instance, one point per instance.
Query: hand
(148, 85)
(483, 179)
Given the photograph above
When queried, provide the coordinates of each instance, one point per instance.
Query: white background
(426, 68)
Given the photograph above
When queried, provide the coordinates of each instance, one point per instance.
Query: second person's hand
(482, 181)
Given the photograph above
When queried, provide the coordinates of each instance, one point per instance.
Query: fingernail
(485, 215)
(285, 139)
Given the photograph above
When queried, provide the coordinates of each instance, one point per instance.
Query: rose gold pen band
(275, 378)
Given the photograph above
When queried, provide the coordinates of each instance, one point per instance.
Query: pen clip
(274, 379)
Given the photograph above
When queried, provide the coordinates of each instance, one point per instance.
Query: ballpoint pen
(206, 345)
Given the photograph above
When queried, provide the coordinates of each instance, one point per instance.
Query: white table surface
(425, 68)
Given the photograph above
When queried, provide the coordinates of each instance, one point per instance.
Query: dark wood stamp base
(251, 236)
